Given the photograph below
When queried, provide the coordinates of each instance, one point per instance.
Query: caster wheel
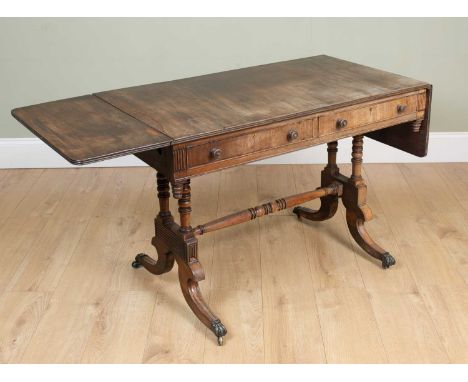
(136, 264)
(220, 341)
(388, 260)
(296, 212)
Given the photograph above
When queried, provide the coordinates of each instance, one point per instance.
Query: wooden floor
(288, 291)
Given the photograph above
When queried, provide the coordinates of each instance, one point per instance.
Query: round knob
(401, 108)
(215, 153)
(292, 135)
(341, 123)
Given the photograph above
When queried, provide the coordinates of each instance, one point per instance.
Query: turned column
(357, 210)
(355, 194)
(328, 203)
(181, 192)
(165, 260)
(332, 149)
(190, 269)
(356, 160)
(163, 195)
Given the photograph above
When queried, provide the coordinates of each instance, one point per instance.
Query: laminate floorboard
(288, 290)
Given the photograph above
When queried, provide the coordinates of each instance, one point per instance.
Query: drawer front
(216, 150)
(376, 112)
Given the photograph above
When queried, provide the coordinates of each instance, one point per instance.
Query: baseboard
(443, 147)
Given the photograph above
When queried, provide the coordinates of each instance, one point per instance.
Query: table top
(126, 121)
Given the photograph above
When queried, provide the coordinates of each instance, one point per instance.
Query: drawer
(239, 144)
(375, 112)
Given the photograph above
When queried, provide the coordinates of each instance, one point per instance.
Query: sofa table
(193, 126)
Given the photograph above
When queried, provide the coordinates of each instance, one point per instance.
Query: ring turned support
(177, 242)
(354, 199)
(174, 242)
(165, 260)
(329, 203)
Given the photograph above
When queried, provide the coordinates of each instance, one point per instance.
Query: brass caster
(297, 212)
(136, 263)
(387, 260)
(219, 330)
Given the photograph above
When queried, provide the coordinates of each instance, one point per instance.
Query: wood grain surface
(258, 95)
(143, 118)
(86, 129)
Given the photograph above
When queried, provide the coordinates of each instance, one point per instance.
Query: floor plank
(448, 308)
(412, 224)
(77, 301)
(448, 218)
(14, 186)
(236, 263)
(82, 198)
(287, 290)
(175, 335)
(125, 278)
(344, 338)
(236, 274)
(44, 265)
(274, 181)
(17, 235)
(409, 221)
(43, 199)
(291, 326)
(122, 193)
(331, 256)
(430, 264)
(20, 314)
(241, 313)
(456, 177)
(407, 331)
(287, 315)
(119, 333)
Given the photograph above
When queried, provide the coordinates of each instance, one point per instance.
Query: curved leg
(163, 264)
(328, 204)
(189, 275)
(175, 242)
(165, 260)
(362, 237)
(328, 208)
(357, 211)
(190, 269)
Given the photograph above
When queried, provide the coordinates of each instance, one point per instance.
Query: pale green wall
(47, 59)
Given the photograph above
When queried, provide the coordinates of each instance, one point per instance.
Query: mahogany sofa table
(193, 126)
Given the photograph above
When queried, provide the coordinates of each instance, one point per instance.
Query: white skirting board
(443, 147)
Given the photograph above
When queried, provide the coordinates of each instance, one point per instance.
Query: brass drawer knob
(341, 123)
(292, 135)
(215, 153)
(401, 108)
